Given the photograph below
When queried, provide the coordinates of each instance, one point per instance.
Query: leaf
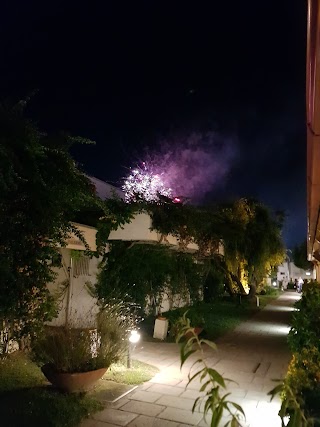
(277, 390)
(193, 376)
(204, 386)
(209, 343)
(196, 403)
(184, 356)
(238, 407)
(197, 361)
(216, 377)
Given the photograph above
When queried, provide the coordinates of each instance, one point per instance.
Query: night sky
(137, 74)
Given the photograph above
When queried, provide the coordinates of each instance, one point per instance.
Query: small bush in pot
(72, 351)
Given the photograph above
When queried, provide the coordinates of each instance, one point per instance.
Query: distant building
(288, 272)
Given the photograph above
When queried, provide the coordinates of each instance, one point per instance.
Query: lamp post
(134, 337)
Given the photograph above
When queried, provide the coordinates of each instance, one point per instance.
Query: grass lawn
(219, 317)
(26, 399)
(138, 374)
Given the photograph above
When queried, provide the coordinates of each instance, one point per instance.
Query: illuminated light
(274, 283)
(134, 337)
(176, 200)
(308, 273)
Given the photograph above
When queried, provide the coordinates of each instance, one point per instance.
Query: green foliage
(41, 191)
(255, 243)
(77, 350)
(299, 254)
(116, 213)
(292, 406)
(26, 400)
(249, 232)
(305, 330)
(300, 390)
(215, 402)
(144, 271)
(139, 373)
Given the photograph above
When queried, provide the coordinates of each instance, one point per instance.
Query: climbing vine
(145, 272)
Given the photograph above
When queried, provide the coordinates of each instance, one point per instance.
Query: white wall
(140, 230)
(77, 307)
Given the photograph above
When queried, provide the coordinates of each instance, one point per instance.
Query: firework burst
(144, 184)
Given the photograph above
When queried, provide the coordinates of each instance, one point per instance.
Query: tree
(255, 245)
(41, 191)
(299, 254)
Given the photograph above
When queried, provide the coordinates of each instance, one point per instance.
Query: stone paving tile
(205, 422)
(194, 385)
(145, 396)
(102, 424)
(143, 408)
(245, 386)
(144, 421)
(119, 403)
(114, 416)
(145, 386)
(191, 394)
(237, 392)
(162, 379)
(176, 402)
(255, 395)
(165, 389)
(180, 415)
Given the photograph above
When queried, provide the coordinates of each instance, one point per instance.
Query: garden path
(253, 354)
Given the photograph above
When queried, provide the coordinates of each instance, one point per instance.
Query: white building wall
(77, 308)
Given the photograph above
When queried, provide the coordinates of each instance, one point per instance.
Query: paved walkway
(253, 355)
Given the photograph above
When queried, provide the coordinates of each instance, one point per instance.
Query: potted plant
(74, 359)
(195, 319)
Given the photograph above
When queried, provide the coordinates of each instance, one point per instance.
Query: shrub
(304, 370)
(79, 350)
(312, 284)
(300, 390)
(305, 330)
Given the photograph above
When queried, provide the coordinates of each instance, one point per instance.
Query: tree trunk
(253, 289)
(233, 278)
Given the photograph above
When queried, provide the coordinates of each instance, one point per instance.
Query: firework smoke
(188, 167)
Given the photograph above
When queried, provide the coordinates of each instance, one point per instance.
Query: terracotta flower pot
(71, 383)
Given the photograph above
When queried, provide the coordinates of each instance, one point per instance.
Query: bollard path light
(134, 337)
